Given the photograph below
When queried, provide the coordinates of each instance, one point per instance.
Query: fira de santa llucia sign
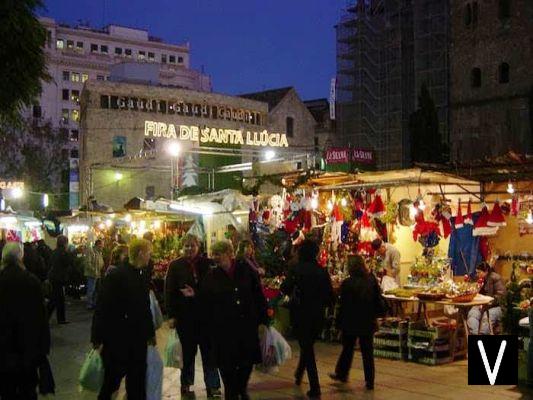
(208, 134)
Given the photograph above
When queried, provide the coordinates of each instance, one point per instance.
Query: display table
(462, 314)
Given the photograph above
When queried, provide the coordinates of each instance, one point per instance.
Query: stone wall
(495, 117)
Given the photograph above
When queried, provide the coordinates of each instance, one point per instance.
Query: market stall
(20, 228)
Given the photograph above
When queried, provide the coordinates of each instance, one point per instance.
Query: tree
(23, 63)
(426, 139)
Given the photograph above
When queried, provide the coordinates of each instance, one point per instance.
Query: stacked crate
(431, 345)
(390, 340)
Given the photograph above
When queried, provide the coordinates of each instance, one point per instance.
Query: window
(316, 141)
(504, 9)
(475, 12)
(94, 48)
(64, 116)
(142, 55)
(74, 135)
(468, 14)
(75, 115)
(118, 51)
(84, 77)
(150, 192)
(75, 77)
(100, 77)
(163, 58)
(476, 77)
(79, 45)
(75, 96)
(60, 44)
(503, 72)
(49, 38)
(70, 44)
(104, 101)
(172, 59)
(180, 60)
(66, 75)
(37, 112)
(74, 153)
(103, 48)
(119, 146)
(127, 52)
(151, 56)
(148, 144)
(289, 122)
(65, 94)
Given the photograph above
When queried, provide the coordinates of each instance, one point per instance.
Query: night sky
(244, 45)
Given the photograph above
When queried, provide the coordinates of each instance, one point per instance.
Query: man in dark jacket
(61, 264)
(182, 285)
(309, 287)
(233, 306)
(359, 305)
(122, 325)
(33, 261)
(24, 332)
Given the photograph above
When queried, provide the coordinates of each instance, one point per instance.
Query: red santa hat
(496, 217)
(376, 209)
(481, 227)
(459, 222)
(468, 220)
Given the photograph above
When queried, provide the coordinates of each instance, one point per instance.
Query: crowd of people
(216, 306)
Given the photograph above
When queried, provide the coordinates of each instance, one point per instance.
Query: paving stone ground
(394, 379)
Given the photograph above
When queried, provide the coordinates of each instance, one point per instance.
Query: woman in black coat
(234, 307)
(309, 287)
(360, 304)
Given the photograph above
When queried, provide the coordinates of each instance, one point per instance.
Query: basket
(431, 296)
(464, 298)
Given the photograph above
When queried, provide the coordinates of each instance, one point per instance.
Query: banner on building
(341, 155)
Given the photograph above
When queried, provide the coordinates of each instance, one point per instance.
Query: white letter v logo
(492, 375)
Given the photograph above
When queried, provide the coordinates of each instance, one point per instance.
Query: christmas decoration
(376, 208)
(459, 222)
(481, 227)
(468, 220)
(496, 217)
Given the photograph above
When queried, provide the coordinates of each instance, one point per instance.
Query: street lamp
(118, 176)
(269, 155)
(46, 200)
(174, 150)
(16, 193)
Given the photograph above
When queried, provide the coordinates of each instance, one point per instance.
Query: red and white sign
(339, 155)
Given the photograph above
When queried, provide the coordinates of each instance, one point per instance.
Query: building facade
(79, 54)
(386, 51)
(492, 82)
(128, 128)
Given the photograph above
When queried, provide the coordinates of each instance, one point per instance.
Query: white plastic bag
(283, 350)
(173, 351)
(275, 350)
(388, 283)
(154, 374)
(157, 315)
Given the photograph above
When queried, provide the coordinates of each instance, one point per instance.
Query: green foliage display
(166, 247)
(272, 254)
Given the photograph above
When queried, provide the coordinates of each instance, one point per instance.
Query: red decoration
(496, 217)
(515, 206)
(459, 222)
(481, 228)
(468, 220)
(376, 208)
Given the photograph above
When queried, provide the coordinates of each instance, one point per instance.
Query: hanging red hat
(376, 208)
(496, 217)
(481, 227)
(459, 222)
(515, 205)
(468, 220)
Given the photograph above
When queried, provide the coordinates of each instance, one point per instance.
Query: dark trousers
(114, 371)
(190, 341)
(18, 385)
(57, 301)
(235, 381)
(366, 342)
(307, 362)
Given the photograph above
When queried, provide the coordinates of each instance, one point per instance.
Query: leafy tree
(23, 63)
(426, 139)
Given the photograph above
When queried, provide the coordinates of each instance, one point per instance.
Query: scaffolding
(386, 49)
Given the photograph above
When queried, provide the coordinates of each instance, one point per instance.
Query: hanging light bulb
(314, 203)
(421, 204)
(510, 188)
(529, 218)
(413, 211)
(330, 205)
(108, 223)
(344, 202)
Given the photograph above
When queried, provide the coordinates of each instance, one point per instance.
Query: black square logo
(492, 360)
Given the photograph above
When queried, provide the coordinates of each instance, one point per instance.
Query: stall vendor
(390, 256)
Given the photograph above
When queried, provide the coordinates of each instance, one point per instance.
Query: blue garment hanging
(464, 249)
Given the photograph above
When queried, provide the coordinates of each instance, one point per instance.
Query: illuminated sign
(214, 135)
(183, 107)
(11, 185)
(340, 155)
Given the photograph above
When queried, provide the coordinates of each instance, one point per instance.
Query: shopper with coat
(233, 307)
(182, 285)
(360, 304)
(122, 325)
(309, 287)
(61, 264)
(24, 332)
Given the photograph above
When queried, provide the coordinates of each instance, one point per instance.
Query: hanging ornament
(529, 218)
(376, 208)
(459, 222)
(481, 227)
(510, 188)
(496, 217)
(515, 205)
(468, 220)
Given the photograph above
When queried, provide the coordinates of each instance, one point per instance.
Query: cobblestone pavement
(394, 379)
